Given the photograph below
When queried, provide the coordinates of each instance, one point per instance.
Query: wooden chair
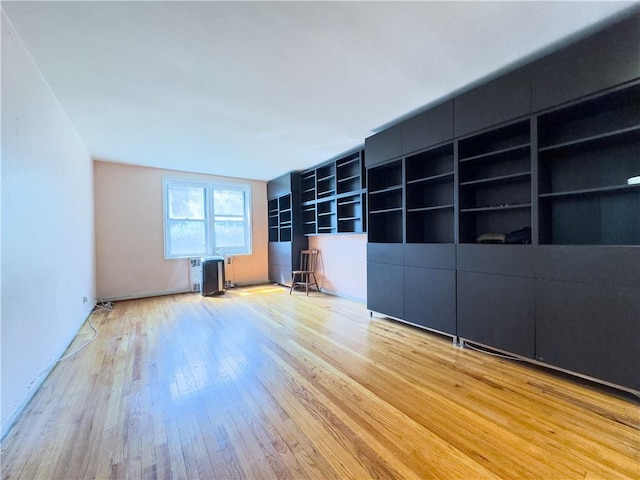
(307, 273)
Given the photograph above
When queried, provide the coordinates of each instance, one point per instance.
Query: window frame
(209, 217)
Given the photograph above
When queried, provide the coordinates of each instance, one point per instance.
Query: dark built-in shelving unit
(385, 203)
(429, 189)
(285, 231)
(280, 219)
(334, 196)
(327, 199)
(495, 181)
(550, 152)
(587, 153)
(308, 186)
(326, 180)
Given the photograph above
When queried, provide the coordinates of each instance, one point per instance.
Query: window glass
(186, 202)
(229, 232)
(204, 219)
(187, 238)
(228, 202)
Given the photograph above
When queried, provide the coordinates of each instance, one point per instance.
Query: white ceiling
(257, 89)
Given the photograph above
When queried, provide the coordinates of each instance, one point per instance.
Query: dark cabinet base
(497, 310)
(430, 298)
(578, 322)
(283, 258)
(385, 289)
(590, 329)
(280, 274)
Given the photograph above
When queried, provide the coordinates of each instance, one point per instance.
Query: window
(203, 219)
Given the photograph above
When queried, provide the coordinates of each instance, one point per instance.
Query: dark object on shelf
(492, 238)
(519, 236)
(212, 276)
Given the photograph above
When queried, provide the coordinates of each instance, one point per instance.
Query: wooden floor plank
(258, 383)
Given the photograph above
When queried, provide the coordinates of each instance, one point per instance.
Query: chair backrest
(308, 260)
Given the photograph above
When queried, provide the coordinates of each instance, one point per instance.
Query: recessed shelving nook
(351, 212)
(326, 181)
(274, 220)
(326, 214)
(349, 172)
(309, 222)
(280, 219)
(430, 196)
(285, 225)
(495, 182)
(589, 155)
(385, 203)
(334, 196)
(308, 186)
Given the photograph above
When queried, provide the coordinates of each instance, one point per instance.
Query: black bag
(519, 236)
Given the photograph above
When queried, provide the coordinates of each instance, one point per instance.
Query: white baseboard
(135, 296)
(10, 420)
(362, 301)
(252, 283)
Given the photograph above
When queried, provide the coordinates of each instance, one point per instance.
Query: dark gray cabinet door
(430, 255)
(280, 274)
(510, 260)
(428, 128)
(392, 253)
(383, 146)
(279, 253)
(274, 272)
(595, 264)
(430, 298)
(385, 289)
(279, 186)
(590, 329)
(497, 311)
(601, 61)
(284, 257)
(500, 100)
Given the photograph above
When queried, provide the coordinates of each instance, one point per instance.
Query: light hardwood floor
(258, 384)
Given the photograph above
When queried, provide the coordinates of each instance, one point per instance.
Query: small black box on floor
(213, 280)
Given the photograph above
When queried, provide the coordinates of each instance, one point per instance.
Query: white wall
(47, 228)
(343, 264)
(130, 240)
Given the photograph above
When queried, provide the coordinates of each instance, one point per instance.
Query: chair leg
(305, 279)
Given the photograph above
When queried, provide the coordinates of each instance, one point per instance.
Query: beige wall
(47, 228)
(129, 234)
(343, 264)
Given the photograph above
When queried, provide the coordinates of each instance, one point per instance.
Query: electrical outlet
(85, 300)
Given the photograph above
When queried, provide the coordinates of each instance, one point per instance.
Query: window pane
(187, 238)
(206, 218)
(229, 233)
(186, 202)
(228, 202)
